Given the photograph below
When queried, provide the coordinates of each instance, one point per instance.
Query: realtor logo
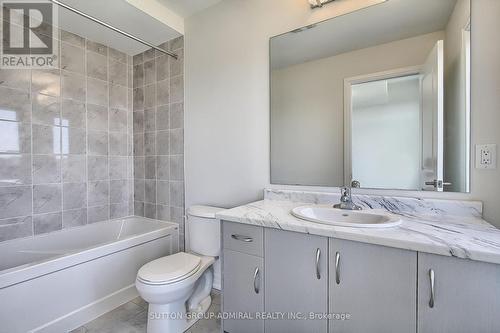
(29, 34)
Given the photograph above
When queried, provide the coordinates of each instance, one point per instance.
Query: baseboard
(89, 312)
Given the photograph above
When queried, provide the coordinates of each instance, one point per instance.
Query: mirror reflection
(389, 109)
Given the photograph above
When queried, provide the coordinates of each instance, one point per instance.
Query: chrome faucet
(346, 200)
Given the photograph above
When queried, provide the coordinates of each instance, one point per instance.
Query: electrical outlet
(486, 156)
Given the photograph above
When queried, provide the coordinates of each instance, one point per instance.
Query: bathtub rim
(22, 273)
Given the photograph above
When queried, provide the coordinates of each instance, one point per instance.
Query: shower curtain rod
(96, 20)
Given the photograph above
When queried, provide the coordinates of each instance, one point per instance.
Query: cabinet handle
(337, 267)
(255, 275)
(318, 255)
(242, 238)
(431, 278)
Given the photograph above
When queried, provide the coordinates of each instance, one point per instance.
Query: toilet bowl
(177, 287)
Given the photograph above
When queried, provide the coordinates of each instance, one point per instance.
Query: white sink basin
(326, 214)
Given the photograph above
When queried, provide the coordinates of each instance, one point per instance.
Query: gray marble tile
(177, 89)
(73, 113)
(15, 169)
(138, 208)
(138, 76)
(73, 39)
(117, 72)
(163, 193)
(97, 92)
(118, 120)
(149, 54)
(16, 227)
(149, 120)
(118, 191)
(177, 141)
(149, 72)
(73, 86)
(73, 141)
(163, 92)
(177, 65)
(162, 67)
(139, 144)
(138, 59)
(97, 142)
(163, 117)
(117, 144)
(74, 218)
(72, 58)
(118, 210)
(176, 43)
(150, 191)
(117, 55)
(138, 99)
(97, 47)
(44, 223)
(15, 105)
(118, 167)
(15, 78)
(46, 139)
(177, 216)
(46, 81)
(46, 110)
(117, 97)
(97, 66)
(163, 142)
(74, 168)
(139, 189)
(139, 167)
(163, 167)
(176, 194)
(47, 198)
(163, 212)
(149, 143)
(150, 210)
(98, 193)
(15, 201)
(97, 214)
(138, 121)
(74, 195)
(97, 117)
(177, 167)
(46, 169)
(177, 115)
(97, 168)
(150, 167)
(149, 96)
(15, 138)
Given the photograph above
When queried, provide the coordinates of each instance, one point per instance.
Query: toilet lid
(169, 269)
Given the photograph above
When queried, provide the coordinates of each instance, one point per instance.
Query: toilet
(177, 287)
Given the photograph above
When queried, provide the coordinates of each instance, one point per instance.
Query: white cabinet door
(464, 296)
(375, 285)
(296, 281)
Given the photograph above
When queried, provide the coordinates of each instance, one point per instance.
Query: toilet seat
(169, 269)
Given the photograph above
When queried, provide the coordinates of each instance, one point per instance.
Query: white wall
(308, 108)
(227, 97)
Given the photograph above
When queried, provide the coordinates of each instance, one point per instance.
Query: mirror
(377, 98)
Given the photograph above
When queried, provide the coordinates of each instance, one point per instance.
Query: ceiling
(120, 14)
(379, 24)
(186, 8)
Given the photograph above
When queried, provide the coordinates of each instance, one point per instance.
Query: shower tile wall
(158, 82)
(66, 141)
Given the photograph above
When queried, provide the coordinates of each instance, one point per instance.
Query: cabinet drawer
(243, 238)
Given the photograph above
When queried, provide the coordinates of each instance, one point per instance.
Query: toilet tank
(204, 230)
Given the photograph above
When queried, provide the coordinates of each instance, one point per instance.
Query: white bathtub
(59, 281)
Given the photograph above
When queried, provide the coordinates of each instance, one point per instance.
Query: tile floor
(131, 317)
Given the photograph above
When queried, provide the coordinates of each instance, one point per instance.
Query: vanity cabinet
(296, 281)
(457, 295)
(243, 277)
(375, 285)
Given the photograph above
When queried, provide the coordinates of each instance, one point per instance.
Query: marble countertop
(461, 236)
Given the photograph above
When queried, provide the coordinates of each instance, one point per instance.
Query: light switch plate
(486, 156)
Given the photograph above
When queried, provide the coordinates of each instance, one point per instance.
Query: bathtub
(59, 281)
